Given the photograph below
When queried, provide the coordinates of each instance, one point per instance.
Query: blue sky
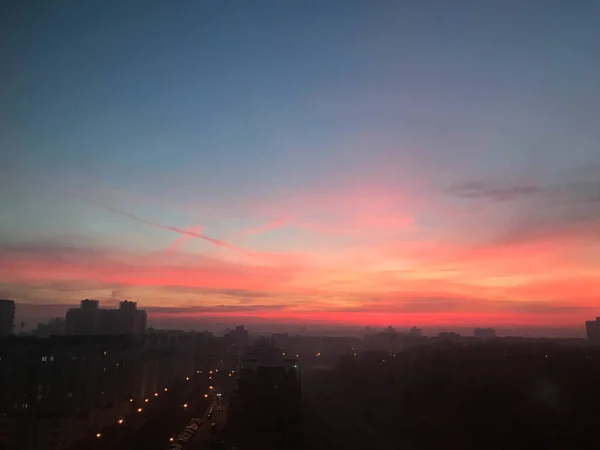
(292, 127)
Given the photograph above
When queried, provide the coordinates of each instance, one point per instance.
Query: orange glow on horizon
(357, 258)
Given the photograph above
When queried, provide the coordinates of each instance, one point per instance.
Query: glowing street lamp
(205, 395)
(146, 400)
(98, 435)
(156, 394)
(185, 405)
(166, 389)
(139, 409)
(170, 439)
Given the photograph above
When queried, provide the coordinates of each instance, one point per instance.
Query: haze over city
(331, 164)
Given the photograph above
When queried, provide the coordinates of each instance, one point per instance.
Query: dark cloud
(528, 307)
(440, 304)
(566, 205)
(479, 190)
(191, 310)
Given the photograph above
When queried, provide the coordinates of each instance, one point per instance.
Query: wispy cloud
(480, 190)
(268, 226)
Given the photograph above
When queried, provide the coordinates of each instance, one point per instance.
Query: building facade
(90, 319)
(7, 317)
(266, 413)
(65, 389)
(592, 329)
(484, 333)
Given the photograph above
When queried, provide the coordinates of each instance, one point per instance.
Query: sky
(339, 163)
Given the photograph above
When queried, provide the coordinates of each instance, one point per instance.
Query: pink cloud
(268, 226)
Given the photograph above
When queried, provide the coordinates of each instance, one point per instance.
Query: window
(44, 358)
(52, 358)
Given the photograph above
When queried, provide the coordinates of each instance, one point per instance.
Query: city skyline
(347, 164)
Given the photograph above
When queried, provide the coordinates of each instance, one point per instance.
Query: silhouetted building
(127, 319)
(7, 317)
(65, 389)
(239, 336)
(592, 329)
(415, 332)
(484, 333)
(89, 319)
(448, 336)
(267, 411)
(54, 327)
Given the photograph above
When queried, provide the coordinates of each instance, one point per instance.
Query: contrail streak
(177, 243)
(166, 227)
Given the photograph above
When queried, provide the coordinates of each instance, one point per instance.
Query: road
(201, 440)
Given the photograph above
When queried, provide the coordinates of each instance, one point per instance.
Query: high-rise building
(592, 329)
(7, 317)
(266, 413)
(89, 319)
(64, 389)
(127, 319)
(484, 333)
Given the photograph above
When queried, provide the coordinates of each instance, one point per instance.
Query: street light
(120, 421)
(156, 394)
(146, 400)
(205, 395)
(170, 439)
(98, 435)
(185, 405)
(139, 409)
(166, 389)
(187, 378)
